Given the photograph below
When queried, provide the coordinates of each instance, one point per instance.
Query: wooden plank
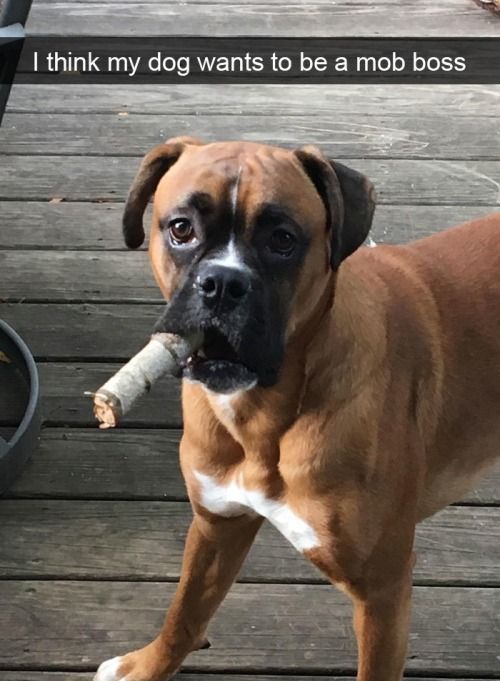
(97, 226)
(451, 100)
(318, 18)
(81, 539)
(131, 464)
(97, 464)
(61, 226)
(349, 135)
(487, 491)
(82, 331)
(260, 628)
(63, 401)
(398, 182)
(63, 385)
(71, 275)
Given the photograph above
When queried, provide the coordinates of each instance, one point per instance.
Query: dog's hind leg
(381, 623)
(380, 587)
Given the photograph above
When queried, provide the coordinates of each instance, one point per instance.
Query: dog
(343, 393)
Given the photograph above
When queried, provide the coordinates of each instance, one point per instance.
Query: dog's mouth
(217, 365)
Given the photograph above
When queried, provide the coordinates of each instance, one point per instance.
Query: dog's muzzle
(241, 327)
(217, 364)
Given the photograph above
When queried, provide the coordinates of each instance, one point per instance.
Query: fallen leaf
(4, 358)
(57, 199)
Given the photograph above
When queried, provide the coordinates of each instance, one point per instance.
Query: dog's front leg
(214, 551)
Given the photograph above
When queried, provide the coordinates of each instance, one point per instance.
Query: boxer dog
(332, 392)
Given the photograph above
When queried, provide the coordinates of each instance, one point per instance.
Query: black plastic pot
(19, 385)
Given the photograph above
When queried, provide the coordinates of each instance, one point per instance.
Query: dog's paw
(141, 665)
(110, 671)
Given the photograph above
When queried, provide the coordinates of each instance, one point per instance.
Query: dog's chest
(234, 499)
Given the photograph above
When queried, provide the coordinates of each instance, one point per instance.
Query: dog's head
(245, 240)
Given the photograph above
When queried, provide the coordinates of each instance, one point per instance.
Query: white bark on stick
(164, 354)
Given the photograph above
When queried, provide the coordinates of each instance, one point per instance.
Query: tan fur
(386, 410)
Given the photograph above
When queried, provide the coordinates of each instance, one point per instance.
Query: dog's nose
(223, 286)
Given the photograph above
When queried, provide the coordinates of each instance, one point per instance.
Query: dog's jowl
(332, 391)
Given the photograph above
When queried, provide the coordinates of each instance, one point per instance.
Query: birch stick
(164, 354)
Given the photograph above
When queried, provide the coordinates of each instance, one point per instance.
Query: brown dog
(332, 394)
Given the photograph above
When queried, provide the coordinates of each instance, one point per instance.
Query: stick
(493, 5)
(164, 354)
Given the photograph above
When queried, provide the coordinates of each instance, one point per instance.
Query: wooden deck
(91, 536)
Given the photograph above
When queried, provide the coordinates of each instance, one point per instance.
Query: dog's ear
(153, 166)
(349, 199)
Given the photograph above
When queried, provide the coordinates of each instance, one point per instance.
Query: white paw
(108, 671)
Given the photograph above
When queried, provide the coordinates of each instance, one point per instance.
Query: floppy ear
(153, 166)
(349, 199)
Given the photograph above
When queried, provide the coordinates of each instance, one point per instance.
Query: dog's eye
(181, 230)
(282, 242)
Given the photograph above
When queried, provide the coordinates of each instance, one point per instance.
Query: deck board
(349, 136)
(97, 227)
(260, 627)
(64, 332)
(317, 18)
(63, 385)
(81, 539)
(71, 276)
(75, 463)
(344, 99)
(398, 182)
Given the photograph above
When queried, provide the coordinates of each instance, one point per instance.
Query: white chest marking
(233, 499)
(226, 401)
(225, 405)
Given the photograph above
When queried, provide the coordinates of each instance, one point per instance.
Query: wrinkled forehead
(238, 177)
